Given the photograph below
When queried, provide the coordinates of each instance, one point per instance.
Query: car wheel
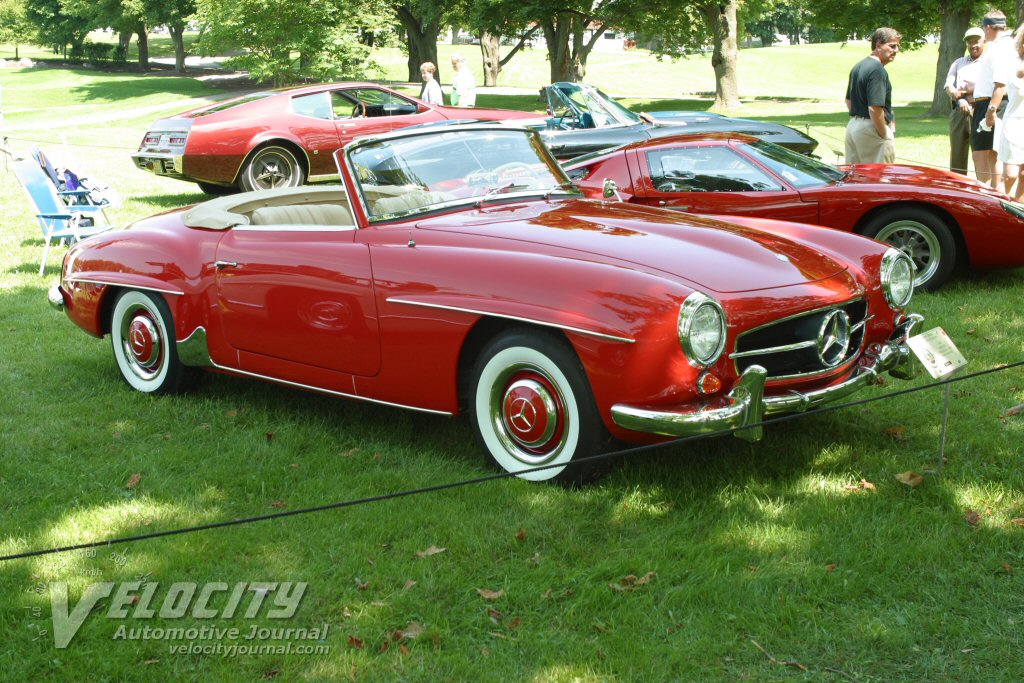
(271, 167)
(531, 406)
(924, 237)
(141, 334)
(216, 190)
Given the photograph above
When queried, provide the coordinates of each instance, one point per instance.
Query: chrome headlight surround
(897, 278)
(1015, 209)
(701, 329)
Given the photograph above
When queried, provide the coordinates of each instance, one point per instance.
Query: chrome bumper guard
(55, 297)
(746, 405)
(160, 163)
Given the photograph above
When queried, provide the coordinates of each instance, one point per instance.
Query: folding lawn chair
(76, 191)
(57, 220)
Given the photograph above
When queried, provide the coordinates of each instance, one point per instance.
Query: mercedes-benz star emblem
(834, 338)
(523, 415)
(138, 340)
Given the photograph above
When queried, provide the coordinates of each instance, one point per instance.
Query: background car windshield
(423, 172)
(798, 170)
(604, 110)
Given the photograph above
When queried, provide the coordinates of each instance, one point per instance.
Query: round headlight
(701, 329)
(897, 278)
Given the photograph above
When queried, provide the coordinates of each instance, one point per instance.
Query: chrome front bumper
(746, 405)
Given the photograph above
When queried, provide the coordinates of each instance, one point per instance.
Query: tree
(175, 15)
(422, 21)
(53, 26)
(324, 33)
(15, 28)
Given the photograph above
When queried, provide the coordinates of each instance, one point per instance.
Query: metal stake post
(942, 433)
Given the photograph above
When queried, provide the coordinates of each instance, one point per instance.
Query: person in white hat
(960, 87)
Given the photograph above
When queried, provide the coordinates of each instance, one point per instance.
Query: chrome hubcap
(140, 339)
(527, 414)
(918, 242)
(271, 170)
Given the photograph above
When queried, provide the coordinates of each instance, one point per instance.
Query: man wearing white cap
(987, 98)
(960, 88)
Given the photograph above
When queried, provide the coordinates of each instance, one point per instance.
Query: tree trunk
(178, 36)
(490, 51)
(951, 48)
(422, 41)
(143, 39)
(567, 50)
(123, 39)
(1020, 12)
(721, 20)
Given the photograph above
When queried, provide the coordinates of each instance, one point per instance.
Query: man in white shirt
(960, 88)
(985, 124)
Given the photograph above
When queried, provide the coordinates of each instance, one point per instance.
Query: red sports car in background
(937, 217)
(281, 138)
(457, 270)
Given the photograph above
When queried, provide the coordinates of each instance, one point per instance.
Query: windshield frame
(595, 100)
(562, 185)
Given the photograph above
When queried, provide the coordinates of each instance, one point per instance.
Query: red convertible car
(458, 270)
(281, 138)
(936, 217)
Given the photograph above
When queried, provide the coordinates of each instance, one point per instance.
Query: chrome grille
(804, 344)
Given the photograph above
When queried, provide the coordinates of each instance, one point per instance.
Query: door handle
(221, 265)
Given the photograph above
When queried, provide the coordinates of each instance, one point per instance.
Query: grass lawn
(769, 561)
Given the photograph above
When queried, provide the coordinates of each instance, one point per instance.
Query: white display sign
(937, 352)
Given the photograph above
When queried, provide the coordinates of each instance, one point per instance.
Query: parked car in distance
(282, 138)
(937, 217)
(582, 119)
(459, 271)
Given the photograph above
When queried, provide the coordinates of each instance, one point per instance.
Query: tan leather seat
(409, 201)
(302, 214)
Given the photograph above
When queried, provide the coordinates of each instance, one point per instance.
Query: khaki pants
(863, 146)
(959, 140)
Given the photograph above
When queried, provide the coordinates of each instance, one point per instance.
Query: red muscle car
(458, 271)
(939, 218)
(282, 138)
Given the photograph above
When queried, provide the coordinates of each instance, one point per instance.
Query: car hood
(919, 176)
(711, 254)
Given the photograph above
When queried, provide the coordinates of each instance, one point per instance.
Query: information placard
(937, 352)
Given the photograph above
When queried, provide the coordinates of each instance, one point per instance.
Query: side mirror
(611, 189)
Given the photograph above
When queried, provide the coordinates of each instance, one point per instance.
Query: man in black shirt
(872, 126)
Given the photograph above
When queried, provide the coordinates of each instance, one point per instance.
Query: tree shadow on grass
(173, 201)
(123, 88)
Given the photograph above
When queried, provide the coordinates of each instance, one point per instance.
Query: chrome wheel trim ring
(917, 241)
(538, 450)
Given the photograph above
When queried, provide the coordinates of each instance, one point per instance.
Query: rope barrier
(636, 450)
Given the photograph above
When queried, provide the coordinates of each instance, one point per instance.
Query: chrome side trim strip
(123, 284)
(193, 351)
(601, 335)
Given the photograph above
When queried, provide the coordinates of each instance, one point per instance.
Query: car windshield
(234, 103)
(414, 174)
(798, 170)
(588, 101)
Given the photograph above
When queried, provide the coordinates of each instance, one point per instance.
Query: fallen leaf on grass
(1017, 521)
(361, 585)
(1007, 569)
(432, 550)
(151, 661)
(296, 465)
(408, 584)
(515, 622)
(489, 594)
(279, 504)
(521, 535)
(167, 437)
(272, 673)
(357, 643)
(1014, 410)
(403, 649)
(972, 517)
(376, 456)
(231, 413)
(270, 436)
(413, 630)
(831, 567)
(133, 480)
(349, 453)
(862, 485)
(910, 478)
(897, 433)
(628, 583)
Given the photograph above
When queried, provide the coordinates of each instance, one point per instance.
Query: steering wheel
(359, 111)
